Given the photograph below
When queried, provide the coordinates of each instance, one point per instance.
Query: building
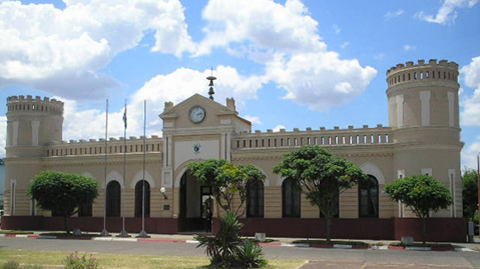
(423, 138)
(2, 180)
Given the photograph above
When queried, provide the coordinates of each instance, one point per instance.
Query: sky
(288, 64)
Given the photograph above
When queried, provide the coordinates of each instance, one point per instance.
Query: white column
(399, 102)
(15, 133)
(13, 185)
(35, 129)
(427, 171)
(451, 109)
(425, 99)
(401, 207)
(451, 176)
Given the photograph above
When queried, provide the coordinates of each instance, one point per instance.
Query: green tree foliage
(227, 180)
(422, 194)
(321, 176)
(470, 193)
(62, 193)
(227, 250)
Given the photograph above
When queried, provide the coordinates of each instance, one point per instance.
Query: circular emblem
(197, 114)
(196, 147)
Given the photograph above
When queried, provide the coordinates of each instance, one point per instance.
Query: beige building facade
(423, 137)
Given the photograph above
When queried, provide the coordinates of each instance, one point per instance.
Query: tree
(321, 176)
(62, 193)
(470, 193)
(226, 180)
(422, 194)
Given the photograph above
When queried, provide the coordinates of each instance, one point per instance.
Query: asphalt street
(318, 258)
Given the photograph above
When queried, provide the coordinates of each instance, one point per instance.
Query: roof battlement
(84, 142)
(364, 136)
(37, 104)
(321, 129)
(431, 71)
(421, 64)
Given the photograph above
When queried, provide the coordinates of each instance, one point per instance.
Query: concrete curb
(278, 244)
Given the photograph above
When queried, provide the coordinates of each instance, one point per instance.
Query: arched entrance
(195, 199)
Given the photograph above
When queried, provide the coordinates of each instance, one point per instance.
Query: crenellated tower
(424, 114)
(32, 123)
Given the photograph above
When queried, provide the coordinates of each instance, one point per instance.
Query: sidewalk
(271, 241)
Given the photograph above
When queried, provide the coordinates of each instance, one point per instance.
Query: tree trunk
(424, 224)
(67, 226)
(329, 230)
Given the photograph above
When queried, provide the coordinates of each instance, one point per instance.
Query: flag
(125, 116)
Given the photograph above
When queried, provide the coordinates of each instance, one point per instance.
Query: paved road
(319, 258)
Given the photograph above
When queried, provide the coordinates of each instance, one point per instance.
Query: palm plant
(223, 247)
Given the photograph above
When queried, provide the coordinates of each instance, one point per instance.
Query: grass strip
(107, 261)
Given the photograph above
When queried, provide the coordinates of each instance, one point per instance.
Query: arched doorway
(195, 199)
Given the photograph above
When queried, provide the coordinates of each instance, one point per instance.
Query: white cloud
(262, 23)
(320, 80)
(175, 87)
(51, 49)
(394, 14)
(469, 155)
(3, 135)
(253, 119)
(409, 47)
(344, 45)
(471, 104)
(447, 12)
(278, 127)
(380, 56)
(285, 39)
(337, 29)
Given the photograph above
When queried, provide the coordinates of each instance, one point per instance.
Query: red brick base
(439, 229)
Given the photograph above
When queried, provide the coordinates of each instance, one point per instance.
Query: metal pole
(478, 181)
(104, 231)
(124, 233)
(144, 234)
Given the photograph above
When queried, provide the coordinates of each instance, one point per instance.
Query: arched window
(113, 199)
(290, 199)
(255, 199)
(368, 198)
(138, 199)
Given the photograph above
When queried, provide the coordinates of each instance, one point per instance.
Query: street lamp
(162, 191)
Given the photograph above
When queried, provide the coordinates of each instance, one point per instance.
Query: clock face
(197, 114)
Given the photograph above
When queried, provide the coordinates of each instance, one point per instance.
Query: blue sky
(289, 64)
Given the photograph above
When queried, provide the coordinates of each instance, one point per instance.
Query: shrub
(73, 261)
(226, 249)
(10, 265)
(32, 267)
(250, 255)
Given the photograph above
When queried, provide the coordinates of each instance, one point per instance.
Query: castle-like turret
(424, 114)
(32, 123)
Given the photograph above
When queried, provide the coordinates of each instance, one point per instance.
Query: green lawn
(55, 259)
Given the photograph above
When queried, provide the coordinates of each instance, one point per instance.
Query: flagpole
(104, 231)
(124, 233)
(144, 234)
